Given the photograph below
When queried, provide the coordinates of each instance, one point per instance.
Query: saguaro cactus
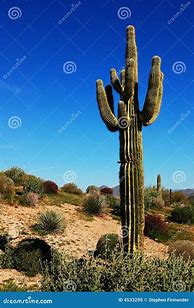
(159, 186)
(170, 196)
(129, 124)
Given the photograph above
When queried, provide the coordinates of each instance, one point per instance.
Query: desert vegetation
(70, 240)
(32, 253)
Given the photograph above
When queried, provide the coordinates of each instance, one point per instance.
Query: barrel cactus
(129, 125)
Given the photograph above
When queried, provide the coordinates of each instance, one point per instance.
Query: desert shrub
(49, 222)
(34, 184)
(7, 188)
(114, 204)
(30, 255)
(107, 246)
(179, 197)
(11, 286)
(4, 240)
(183, 248)
(166, 196)
(72, 189)
(92, 188)
(156, 227)
(6, 259)
(182, 215)
(16, 174)
(50, 187)
(137, 274)
(152, 199)
(30, 199)
(106, 191)
(93, 204)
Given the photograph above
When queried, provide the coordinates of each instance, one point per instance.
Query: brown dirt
(80, 235)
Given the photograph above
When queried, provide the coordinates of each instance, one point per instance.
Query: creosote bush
(72, 189)
(34, 184)
(91, 189)
(137, 274)
(114, 204)
(7, 188)
(153, 199)
(93, 204)
(182, 248)
(49, 222)
(50, 187)
(182, 215)
(16, 174)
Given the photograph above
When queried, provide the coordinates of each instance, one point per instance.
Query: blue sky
(49, 120)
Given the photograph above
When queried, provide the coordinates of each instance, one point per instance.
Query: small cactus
(129, 125)
(170, 196)
(159, 187)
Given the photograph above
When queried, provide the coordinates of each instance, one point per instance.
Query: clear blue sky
(60, 129)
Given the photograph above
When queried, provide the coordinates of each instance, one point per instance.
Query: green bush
(17, 175)
(6, 259)
(7, 188)
(153, 199)
(49, 222)
(91, 189)
(34, 184)
(137, 274)
(182, 215)
(107, 246)
(114, 204)
(93, 204)
(4, 240)
(183, 248)
(30, 255)
(72, 189)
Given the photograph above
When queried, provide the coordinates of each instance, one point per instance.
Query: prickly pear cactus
(129, 124)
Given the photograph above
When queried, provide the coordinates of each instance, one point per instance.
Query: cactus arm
(122, 78)
(115, 81)
(105, 110)
(110, 98)
(153, 99)
(122, 109)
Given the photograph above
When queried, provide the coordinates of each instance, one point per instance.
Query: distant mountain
(188, 192)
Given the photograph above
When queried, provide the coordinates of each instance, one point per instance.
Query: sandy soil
(80, 235)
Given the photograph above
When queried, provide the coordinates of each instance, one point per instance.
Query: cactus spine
(159, 187)
(129, 124)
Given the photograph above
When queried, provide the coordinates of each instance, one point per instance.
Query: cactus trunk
(131, 185)
(129, 124)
